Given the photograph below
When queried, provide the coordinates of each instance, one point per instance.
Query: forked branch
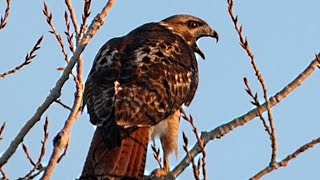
(27, 60)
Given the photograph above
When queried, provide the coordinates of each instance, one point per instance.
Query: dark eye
(193, 24)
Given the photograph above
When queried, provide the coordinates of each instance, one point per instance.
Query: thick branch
(237, 122)
(62, 139)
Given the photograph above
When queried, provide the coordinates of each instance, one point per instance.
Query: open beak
(209, 33)
(198, 50)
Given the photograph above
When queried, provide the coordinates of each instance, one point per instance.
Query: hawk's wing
(140, 79)
(158, 74)
(99, 88)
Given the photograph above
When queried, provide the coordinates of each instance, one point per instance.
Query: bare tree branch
(62, 139)
(58, 37)
(44, 141)
(37, 167)
(32, 176)
(33, 173)
(64, 153)
(83, 28)
(256, 103)
(285, 161)
(245, 45)
(4, 19)
(26, 151)
(185, 148)
(56, 91)
(240, 121)
(2, 130)
(73, 16)
(27, 60)
(49, 19)
(4, 174)
(189, 119)
(85, 15)
(68, 32)
(156, 153)
(63, 105)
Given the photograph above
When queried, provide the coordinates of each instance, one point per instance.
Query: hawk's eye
(193, 24)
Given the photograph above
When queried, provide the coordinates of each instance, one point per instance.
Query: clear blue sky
(284, 35)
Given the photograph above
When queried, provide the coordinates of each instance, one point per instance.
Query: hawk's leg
(168, 130)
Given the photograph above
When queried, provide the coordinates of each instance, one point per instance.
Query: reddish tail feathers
(124, 162)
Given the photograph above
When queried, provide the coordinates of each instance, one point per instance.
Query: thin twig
(2, 130)
(256, 103)
(32, 176)
(204, 164)
(199, 140)
(79, 77)
(49, 19)
(185, 148)
(27, 175)
(79, 36)
(156, 153)
(33, 173)
(68, 32)
(44, 141)
(4, 19)
(56, 90)
(249, 116)
(26, 151)
(198, 167)
(4, 174)
(245, 45)
(285, 161)
(62, 104)
(38, 165)
(63, 153)
(27, 60)
(63, 136)
(83, 29)
(85, 15)
(73, 16)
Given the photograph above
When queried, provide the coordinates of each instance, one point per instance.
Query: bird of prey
(136, 87)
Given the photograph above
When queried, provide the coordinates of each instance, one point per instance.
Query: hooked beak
(215, 35)
(208, 33)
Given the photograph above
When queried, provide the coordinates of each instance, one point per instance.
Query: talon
(161, 174)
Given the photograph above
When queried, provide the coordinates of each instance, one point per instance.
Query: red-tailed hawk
(137, 82)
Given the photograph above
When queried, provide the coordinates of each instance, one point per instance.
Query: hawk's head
(190, 28)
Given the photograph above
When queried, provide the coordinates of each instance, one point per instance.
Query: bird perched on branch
(137, 84)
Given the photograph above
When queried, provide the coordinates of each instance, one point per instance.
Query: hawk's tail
(124, 162)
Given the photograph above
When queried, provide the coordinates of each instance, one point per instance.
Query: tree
(73, 44)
